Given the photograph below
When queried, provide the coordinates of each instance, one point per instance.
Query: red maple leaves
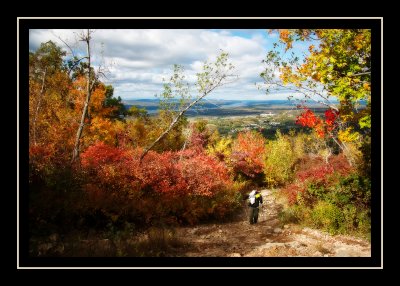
(308, 119)
(176, 173)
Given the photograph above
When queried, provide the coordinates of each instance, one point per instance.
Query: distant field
(223, 108)
(231, 116)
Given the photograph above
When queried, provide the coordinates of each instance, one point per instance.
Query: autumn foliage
(192, 175)
(247, 156)
(322, 127)
(315, 171)
(169, 180)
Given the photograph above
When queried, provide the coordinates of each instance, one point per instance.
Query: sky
(138, 60)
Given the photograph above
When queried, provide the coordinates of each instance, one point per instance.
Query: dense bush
(330, 196)
(184, 186)
(280, 160)
(247, 157)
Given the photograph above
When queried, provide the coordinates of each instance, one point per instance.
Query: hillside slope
(267, 238)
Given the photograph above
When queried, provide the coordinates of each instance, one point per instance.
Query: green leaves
(365, 122)
(337, 67)
(176, 92)
(214, 74)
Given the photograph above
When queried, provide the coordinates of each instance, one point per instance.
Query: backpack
(252, 198)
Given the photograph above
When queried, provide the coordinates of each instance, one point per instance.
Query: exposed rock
(236, 238)
(295, 244)
(347, 251)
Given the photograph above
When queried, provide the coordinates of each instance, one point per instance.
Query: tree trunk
(212, 82)
(75, 154)
(173, 123)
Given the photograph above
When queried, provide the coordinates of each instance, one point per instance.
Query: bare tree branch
(306, 95)
(173, 123)
(75, 62)
(216, 79)
(358, 74)
(75, 154)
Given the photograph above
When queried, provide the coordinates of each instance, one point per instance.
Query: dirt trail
(266, 238)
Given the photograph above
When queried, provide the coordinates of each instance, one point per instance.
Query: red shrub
(40, 156)
(291, 192)
(316, 170)
(100, 154)
(184, 172)
(168, 183)
(204, 175)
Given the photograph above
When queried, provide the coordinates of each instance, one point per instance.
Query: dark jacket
(257, 202)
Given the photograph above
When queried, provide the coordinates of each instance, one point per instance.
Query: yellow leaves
(324, 153)
(221, 148)
(78, 92)
(98, 97)
(288, 76)
(367, 86)
(285, 75)
(101, 129)
(137, 132)
(358, 45)
(271, 182)
(348, 135)
(304, 69)
(359, 41)
(311, 48)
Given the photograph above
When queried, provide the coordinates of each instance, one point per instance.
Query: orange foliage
(247, 154)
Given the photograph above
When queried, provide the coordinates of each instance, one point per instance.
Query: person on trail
(254, 199)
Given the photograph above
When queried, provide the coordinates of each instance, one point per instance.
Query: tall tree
(85, 37)
(213, 75)
(338, 66)
(44, 63)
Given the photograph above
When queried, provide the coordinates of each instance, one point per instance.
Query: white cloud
(140, 59)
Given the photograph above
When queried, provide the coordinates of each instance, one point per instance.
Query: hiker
(255, 199)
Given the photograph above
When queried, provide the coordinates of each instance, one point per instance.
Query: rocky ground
(266, 238)
(236, 238)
